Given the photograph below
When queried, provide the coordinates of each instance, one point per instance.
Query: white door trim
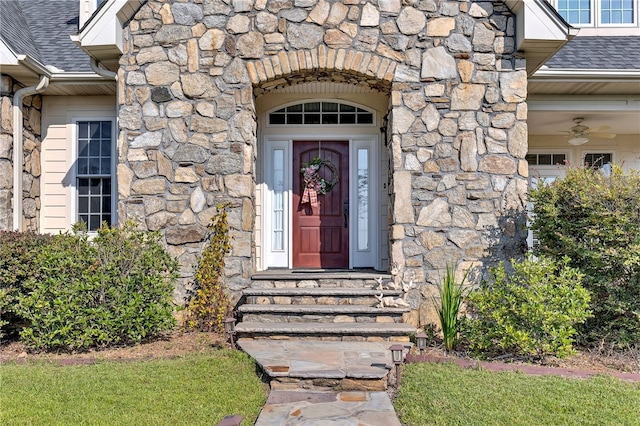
(275, 256)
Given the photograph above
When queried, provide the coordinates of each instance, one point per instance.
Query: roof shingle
(41, 29)
(603, 52)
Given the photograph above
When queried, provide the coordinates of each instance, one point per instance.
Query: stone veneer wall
(457, 132)
(32, 107)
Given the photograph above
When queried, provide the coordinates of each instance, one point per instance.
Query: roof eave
(572, 74)
(22, 68)
(101, 36)
(540, 31)
(27, 71)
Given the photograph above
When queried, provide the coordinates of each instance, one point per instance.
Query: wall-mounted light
(385, 125)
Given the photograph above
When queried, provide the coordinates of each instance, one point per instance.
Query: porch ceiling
(551, 122)
(602, 97)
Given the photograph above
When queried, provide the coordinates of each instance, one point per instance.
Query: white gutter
(103, 72)
(18, 145)
(564, 74)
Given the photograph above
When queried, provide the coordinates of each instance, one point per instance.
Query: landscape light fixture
(421, 341)
(230, 329)
(396, 357)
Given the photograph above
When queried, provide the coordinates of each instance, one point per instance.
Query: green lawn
(445, 394)
(192, 390)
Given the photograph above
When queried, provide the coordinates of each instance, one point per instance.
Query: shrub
(595, 220)
(530, 312)
(17, 253)
(115, 289)
(452, 294)
(210, 304)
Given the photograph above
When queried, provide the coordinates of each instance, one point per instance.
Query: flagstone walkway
(318, 383)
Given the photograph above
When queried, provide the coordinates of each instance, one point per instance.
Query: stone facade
(457, 133)
(32, 107)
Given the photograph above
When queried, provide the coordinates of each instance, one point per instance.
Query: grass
(192, 390)
(445, 394)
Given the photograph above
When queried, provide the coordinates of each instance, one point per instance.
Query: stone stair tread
(350, 328)
(318, 291)
(298, 275)
(321, 309)
(319, 359)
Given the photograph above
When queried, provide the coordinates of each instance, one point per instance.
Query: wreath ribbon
(310, 194)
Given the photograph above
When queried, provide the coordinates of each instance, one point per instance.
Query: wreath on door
(314, 184)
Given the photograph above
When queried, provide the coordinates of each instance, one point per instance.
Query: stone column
(31, 109)
(6, 153)
(188, 130)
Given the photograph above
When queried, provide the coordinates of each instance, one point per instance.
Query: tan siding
(58, 115)
(626, 148)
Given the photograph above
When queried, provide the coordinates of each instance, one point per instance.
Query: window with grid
(546, 159)
(609, 12)
(597, 159)
(94, 173)
(575, 11)
(321, 113)
(616, 11)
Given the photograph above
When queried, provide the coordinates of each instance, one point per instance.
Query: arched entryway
(336, 215)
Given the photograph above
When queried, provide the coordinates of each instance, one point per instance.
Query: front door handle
(345, 211)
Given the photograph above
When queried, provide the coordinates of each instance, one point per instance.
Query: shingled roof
(41, 29)
(616, 53)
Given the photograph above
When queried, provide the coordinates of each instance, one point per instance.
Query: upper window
(616, 11)
(313, 113)
(94, 173)
(577, 12)
(596, 13)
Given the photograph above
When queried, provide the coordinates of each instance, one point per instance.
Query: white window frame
(304, 126)
(362, 257)
(596, 16)
(541, 173)
(74, 169)
(621, 24)
(586, 152)
(277, 258)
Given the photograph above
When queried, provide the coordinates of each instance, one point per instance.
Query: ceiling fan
(579, 133)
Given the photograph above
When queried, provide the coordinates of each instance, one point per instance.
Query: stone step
(326, 305)
(319, 274)
(318, 292)
(326, 331)
(322, 365)
(320, 313)
(319, 279)
(316, 296)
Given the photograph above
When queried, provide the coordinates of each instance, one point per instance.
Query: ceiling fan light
(578, 141)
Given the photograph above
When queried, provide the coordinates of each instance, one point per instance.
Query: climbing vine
(210, 304)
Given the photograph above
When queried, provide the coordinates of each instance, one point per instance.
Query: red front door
(320, 231)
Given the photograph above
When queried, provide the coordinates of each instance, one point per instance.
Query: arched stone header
(287, 68)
